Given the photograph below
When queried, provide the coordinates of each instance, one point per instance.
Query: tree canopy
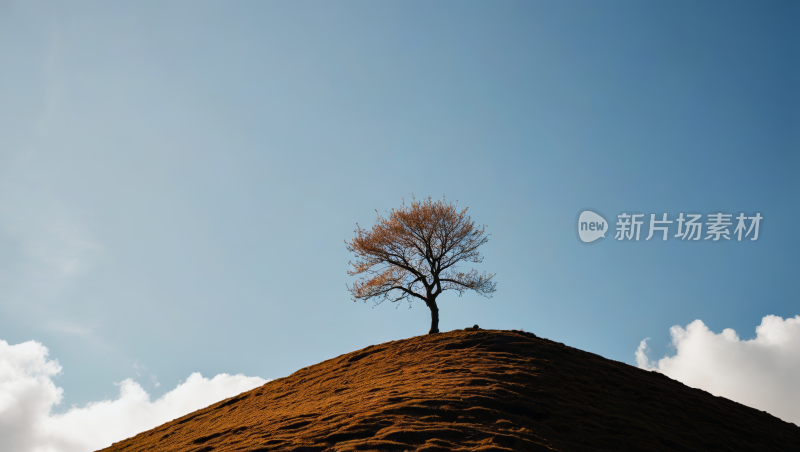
(414, 252)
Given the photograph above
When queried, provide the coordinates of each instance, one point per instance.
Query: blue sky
(177, 179)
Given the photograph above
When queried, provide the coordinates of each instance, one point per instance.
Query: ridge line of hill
(471, 390)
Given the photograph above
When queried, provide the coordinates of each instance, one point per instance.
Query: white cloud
(137, 366)
(762, 373)
(27, 395)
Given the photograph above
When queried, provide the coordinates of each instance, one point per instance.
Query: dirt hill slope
(471, 390)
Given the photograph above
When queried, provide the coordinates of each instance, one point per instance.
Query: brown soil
(473, 390)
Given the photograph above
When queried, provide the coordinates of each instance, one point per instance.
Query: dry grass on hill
(471, 391)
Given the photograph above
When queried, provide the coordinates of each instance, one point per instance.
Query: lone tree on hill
(415, 252)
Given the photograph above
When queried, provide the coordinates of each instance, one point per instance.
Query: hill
(473, 390)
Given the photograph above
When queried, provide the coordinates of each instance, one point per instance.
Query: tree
(414, 253)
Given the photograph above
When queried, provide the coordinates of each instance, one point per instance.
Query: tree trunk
(434, 316)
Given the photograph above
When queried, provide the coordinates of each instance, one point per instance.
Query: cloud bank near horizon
(762, 372)
(28, 394)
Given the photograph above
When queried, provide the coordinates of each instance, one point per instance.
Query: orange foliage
(414, 253)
